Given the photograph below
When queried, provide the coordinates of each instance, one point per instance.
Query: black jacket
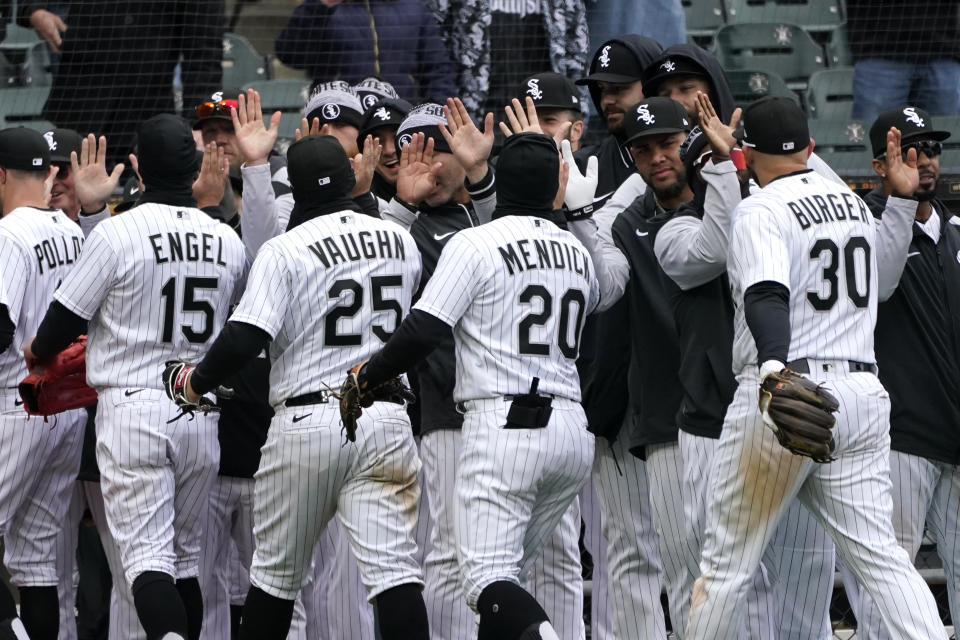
(720, 95)
(917, 342)
(655, 390)
(437, 373)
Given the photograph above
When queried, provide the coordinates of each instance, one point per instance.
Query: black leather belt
(315, 397)
(803, 366)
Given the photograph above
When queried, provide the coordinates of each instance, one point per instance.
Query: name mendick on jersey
(816, 209)
(550, 254)
(187, 247)
(363, 244)
(57, 252)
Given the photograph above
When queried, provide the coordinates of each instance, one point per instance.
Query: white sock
(16, 625)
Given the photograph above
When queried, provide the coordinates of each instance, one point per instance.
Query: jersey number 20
(857, 246)
(572, 306)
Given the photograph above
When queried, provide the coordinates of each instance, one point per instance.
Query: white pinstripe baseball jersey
(517, 291)
(156, 284)
(330, 293)
(38, 248)
(816, 238)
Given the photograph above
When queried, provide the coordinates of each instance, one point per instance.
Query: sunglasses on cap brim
(929, 148)
(210, 108)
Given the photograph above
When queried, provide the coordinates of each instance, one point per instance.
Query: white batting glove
(581, 188)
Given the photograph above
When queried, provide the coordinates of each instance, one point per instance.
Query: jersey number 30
(572, 306)
(856, 257)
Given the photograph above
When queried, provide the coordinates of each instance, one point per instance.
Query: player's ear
(576, 131)
(880, 166)
(811, 147)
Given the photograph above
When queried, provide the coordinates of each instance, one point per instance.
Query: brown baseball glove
(355, 396)
(800, 413)
(59, 384)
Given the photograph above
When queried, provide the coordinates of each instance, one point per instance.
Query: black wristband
(412, 208)
(583, 213)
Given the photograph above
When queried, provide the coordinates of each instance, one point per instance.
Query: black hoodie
(720, 95)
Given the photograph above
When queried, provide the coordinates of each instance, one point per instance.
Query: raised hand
(418, 172)
(469, 145)
(720, 135)
(580, 188)
(902, 172)
(312, 129)
(49, 27)
(90, 178)
(52, 172)
(254, 140)
(364, 164)
(212, 181)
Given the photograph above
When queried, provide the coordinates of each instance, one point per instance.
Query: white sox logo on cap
(605, 57)
(913, 116)
(217, 97)
(48, 136)
(330, 111)
(534, 89)
(643, 113)
(669, 66)
(382, 113)
(404, 140)
(369, 100)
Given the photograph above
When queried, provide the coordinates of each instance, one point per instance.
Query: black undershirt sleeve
(236, 345)
(7, 328)
(415, 338)
(59, 328)
(766, 307)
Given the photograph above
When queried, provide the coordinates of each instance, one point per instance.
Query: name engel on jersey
(180, 246)
(526, 255)
(829, 207)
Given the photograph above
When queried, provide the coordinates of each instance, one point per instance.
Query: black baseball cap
(216, 107)
(61, 143)
(23, 149)
(656, 116)
(774, 125)
(613, 62)
(387, 112)
(666, 68)
(131, 195)
(550, 90)
(913, 122)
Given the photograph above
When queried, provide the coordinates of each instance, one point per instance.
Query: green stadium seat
(784, 49)
(9, 72)
(951, 124)
(749, 85)
(36, 66)
(838, 47)
(844, 144)
(704, 17)
(281, 95)
(23, 106)
(830, 93)
(241, 62)
(813, 15)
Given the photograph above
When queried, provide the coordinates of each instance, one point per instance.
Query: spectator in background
(395, 40)
(498, 43)
(117, 61)
(906, 52)
(662, 20)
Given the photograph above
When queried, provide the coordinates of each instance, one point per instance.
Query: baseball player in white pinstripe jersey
(366, 271)
(38, 248)
(803, 271)
(515, 292)
(155, 284)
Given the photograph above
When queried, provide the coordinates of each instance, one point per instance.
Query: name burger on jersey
(57, 252)
(350, 247)
(525, 255)
(830, 207)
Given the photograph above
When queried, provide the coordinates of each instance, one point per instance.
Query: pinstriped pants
(753, 480)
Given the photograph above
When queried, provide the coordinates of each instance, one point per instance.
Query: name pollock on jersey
(189, 247)
(546, 254)
(816, 209)
(57, 252)
(362, 244)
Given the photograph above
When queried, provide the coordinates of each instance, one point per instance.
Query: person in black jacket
(117, 61)
(917, 342)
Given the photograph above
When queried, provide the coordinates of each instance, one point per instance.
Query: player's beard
(671, 191)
